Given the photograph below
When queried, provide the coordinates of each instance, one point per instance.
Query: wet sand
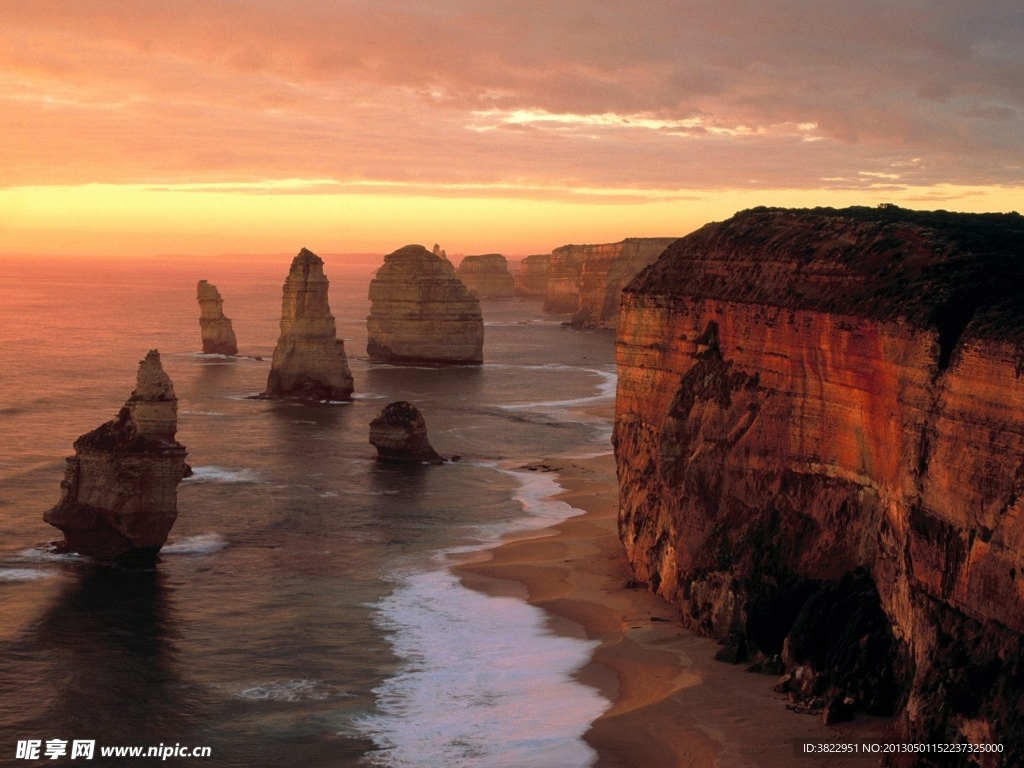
(672, 704)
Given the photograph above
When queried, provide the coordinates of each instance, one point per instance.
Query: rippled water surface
(301, 613)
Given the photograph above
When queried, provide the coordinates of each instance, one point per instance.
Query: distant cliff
(486, 276)
(587, 280)
(532, 278)
(819, 434)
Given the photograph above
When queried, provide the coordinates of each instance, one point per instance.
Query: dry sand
(672, 704)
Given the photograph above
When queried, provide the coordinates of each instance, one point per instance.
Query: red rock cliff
(809, 398)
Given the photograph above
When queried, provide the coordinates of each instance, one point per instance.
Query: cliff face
(486, 276)
(309, 359)
(532, 278)
(587, 280)
(218, 335)
(421, 312)
(119, 493)
(806, 396)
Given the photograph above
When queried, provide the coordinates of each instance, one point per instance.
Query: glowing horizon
(182, 126)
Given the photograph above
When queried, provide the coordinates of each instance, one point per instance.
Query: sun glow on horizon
(274, 216)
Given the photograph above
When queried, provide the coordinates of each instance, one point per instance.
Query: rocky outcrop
(309, 359)
(587, 280)
(487, 276)
(399, 433)
(532, 278)
(421, 312)
(119, 493)
(820, 422)
(218, 335)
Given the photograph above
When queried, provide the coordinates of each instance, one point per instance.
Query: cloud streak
(643, 95)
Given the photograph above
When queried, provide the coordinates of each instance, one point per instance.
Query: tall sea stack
(309, 359)
(420, 312)
(218, 335)
(819, 436)
(119, 493)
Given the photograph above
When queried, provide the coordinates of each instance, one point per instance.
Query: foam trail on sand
(483, 683)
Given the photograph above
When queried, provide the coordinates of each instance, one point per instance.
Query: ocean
(302, 612)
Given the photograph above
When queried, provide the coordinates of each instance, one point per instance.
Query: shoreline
(671, 704)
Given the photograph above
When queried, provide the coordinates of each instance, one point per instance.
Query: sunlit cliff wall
(811, 395)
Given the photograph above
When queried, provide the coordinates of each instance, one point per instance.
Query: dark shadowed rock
(399, 433)
(119, 493)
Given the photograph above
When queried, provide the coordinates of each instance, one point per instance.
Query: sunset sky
(137, 127)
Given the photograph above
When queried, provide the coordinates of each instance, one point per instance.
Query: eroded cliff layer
(215, 327)
(309, 359)
(532, 277)
(119, 493)
(808, 399)
(421, 312)
(587, 280)
(487, 276)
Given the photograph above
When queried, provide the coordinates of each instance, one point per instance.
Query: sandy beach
(672, 704)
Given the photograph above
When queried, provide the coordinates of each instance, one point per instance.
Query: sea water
(302, 612)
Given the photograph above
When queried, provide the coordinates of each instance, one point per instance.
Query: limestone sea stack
(420, 312)
(532, 278)
(309, 359)
(587, 280)
(399, 433)
(487, 276)
(218, 335)
(819, 436)
(119, 493)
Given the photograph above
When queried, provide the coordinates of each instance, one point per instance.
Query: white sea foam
(24, 574)
(606, 391)
(287, 690)
(45, 554)
(483, 682)
(203, 544)
(213, 474)
(201, 413)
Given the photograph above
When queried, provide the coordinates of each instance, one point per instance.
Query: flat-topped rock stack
(532, 278)
(309, 359)
(420, 312)
(487, 276)
(215, 327)
(399, 433)
(119, 495)
(587, 280)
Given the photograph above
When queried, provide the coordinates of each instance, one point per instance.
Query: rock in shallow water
(399, 433)
(309, 359)
(119, 493)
